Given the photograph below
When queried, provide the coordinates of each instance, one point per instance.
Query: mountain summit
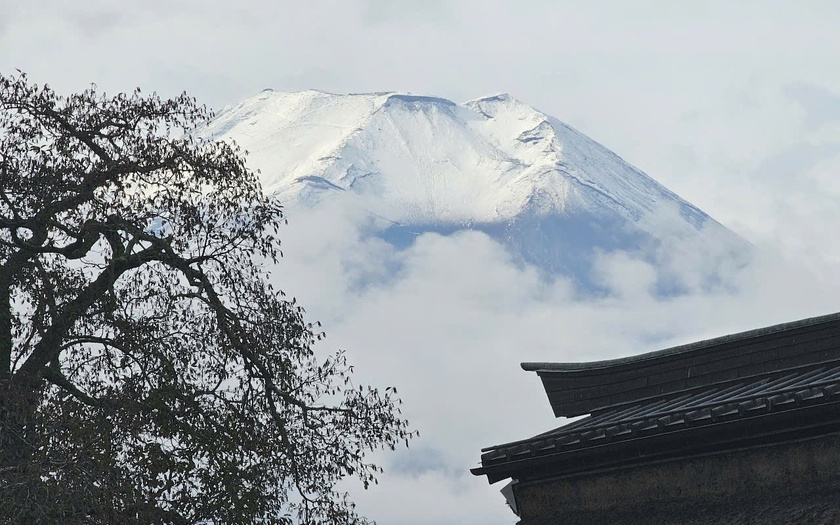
(551, 194)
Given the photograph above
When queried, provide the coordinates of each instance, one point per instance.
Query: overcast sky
(734, 107)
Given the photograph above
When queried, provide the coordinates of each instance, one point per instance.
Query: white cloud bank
(449, 319)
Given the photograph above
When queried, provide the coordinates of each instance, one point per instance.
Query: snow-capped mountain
(416, 163)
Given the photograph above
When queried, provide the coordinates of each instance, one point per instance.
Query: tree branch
(55, 377)
(49, 347)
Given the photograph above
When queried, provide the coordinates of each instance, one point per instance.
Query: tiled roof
(774, 404)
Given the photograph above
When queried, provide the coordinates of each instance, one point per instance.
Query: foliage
(149, 373)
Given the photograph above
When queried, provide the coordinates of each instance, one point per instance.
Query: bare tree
(149, 373)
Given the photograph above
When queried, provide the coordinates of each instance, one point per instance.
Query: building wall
(782, 484)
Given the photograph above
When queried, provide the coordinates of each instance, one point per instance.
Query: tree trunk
(18, 410)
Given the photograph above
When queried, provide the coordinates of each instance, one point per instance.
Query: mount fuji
(416, 164)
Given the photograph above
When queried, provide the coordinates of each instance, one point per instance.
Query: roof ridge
(679, 349)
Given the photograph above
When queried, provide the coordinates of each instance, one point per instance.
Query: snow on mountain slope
(547, 191)
(428, 160)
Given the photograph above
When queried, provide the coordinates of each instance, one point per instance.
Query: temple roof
(763, 386)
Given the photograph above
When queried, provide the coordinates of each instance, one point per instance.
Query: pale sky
(735, 106)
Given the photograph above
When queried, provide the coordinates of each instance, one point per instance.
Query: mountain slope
(552, 195)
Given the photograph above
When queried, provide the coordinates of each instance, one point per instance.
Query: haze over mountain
(416, 164)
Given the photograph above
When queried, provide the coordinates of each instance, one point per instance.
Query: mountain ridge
(545, 133)
(427, 164)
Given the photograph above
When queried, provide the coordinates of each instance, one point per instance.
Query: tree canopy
(149, 373)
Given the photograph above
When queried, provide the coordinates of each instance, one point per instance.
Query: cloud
(448, 320)
(422, 461)
(821, 105)
(7, 15)
(95, 21)
(379, 12)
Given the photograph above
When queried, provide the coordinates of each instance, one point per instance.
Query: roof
(763, 386)
(574, 389)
